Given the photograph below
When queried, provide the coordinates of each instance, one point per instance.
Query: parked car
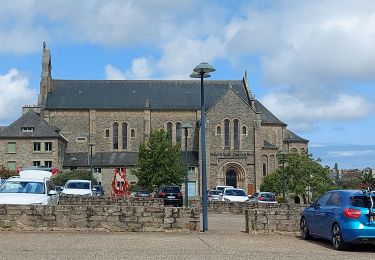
(142, 194)
(30, 187)
(98, 190)
(234, 195)
(341, 216)
(78, 187)
(59, 189)
(214, 195)
(222, 187)
(263, 197)
(171, 194)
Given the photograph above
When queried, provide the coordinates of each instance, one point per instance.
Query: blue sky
(311, 63)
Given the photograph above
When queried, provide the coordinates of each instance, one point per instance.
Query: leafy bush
(61, 178)
(5, 173)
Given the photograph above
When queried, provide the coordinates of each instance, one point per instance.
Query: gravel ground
(225, 239)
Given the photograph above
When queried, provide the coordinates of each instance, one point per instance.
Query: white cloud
(112, 73)
(303, 114)
(141, 69)
(349, 153)
(15, 93)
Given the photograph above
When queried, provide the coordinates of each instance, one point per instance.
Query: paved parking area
(224, 240)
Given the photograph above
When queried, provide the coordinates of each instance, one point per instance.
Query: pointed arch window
(115, 136)
(178, 133)
(124, 136)
(226, 133)
(236, 140)
(169, 131)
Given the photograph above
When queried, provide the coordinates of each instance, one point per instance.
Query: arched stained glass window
(236, 140)
(124, 136)
(178, 133)
(169, 131)
(226, 133)
(115, 136)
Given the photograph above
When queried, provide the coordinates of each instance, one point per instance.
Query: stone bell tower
(46, 78)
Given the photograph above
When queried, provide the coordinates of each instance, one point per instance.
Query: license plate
(170, 197)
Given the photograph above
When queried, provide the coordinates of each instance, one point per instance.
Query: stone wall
(96, 215)
(281, 218)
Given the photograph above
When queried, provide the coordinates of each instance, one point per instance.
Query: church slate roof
(268, 145)
(290, 137)
(134, 94)
(266, 116)
(41, 129)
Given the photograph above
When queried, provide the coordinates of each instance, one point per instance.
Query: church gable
(231, 105)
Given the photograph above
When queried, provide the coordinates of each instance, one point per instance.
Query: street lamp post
(186, 126)
(282, 155)
(201, 71)
(91, 145)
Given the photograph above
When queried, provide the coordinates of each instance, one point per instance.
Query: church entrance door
(231, 179)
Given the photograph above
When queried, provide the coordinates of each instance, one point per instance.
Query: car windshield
(171, 189)
(361, 201)
(22, 187)
(235, 193)
(215, 192)
(78, 185)
(142, 192)
(267, 195)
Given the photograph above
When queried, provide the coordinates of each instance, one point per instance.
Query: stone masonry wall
(112, 217)
(283, 219)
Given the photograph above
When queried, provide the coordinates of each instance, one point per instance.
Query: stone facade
(242, 137)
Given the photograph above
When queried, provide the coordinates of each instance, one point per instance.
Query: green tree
(61, 178)
(272, 182)
(367, 180)
(159, 162)
(301, 171)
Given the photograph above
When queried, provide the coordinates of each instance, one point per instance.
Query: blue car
(341, 216)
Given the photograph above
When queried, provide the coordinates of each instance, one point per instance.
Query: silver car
(214, 195)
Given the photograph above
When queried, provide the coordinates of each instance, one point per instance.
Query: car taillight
(179, 195)
(260, 198)
(161, 194)
(352, 213)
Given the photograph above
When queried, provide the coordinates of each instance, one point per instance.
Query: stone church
(99, 124)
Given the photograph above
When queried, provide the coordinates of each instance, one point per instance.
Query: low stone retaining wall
(88, 200)
(280, 218)
(98, 218)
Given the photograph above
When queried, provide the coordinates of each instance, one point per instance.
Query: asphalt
(225, 239)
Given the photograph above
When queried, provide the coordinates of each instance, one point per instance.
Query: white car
(234, 195)
(78, 187)
(32, 187)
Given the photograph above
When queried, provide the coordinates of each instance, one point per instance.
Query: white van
(31, 187)
(221, 188)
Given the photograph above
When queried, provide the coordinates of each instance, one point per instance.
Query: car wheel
(337, 241)
(305, 233)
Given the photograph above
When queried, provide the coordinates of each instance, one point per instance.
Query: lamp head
(203, 67)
